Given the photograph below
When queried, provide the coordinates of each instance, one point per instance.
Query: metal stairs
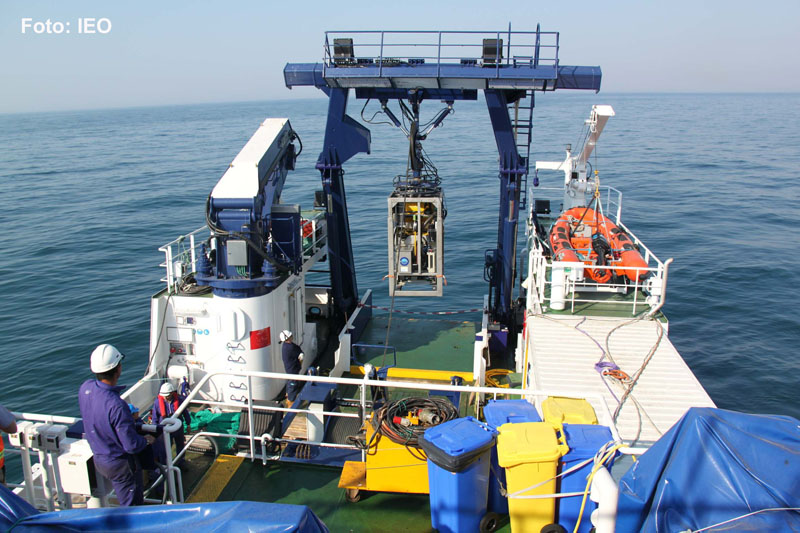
(521, 115)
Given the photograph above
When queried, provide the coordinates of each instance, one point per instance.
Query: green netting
(217, 423)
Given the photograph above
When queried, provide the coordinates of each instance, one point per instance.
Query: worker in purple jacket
(109, 426)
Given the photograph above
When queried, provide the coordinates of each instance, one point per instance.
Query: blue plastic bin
(458, 473)
(497, 413)
(584, 441)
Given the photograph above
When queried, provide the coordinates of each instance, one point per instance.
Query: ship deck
(316, 487)
(429, 350)
(420, 343)
(563, 351)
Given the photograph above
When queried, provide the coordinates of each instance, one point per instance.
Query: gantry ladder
(521, 114)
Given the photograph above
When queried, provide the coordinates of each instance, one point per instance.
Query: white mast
(576, 181)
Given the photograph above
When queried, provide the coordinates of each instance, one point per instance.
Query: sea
(711, 180)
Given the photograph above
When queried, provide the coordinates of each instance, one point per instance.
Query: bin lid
(499, 412)
(528, 442)
(585, 439)
(457, 443)
(557, 410)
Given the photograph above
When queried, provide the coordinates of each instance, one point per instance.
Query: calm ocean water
(87, 197)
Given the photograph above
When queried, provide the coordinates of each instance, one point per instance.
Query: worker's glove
(300, 358)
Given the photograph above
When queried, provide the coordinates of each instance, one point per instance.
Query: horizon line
(323, 97)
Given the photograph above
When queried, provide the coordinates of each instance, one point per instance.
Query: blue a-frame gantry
(446, 66)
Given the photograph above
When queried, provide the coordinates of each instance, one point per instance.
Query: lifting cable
(426, 166)
(393, 280)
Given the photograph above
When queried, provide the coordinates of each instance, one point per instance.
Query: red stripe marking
(260, 338)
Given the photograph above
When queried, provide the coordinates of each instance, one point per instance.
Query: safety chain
(478, 310)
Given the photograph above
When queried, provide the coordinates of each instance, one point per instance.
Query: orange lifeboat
(584, 235)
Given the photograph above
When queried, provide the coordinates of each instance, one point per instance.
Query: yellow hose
(608, 455)
(492, 375)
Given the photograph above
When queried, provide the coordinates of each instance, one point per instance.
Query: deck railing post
(558, 35)
(168, 251)
(508, 46)
(46, 481)
(250, 417)
(326, 55)
(439, 57)
(498, 51)
(380, 58)
(170, 473)
(663, 296)
(191, 250)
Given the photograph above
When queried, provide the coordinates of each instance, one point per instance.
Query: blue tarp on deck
(714, 466)
(17, 516)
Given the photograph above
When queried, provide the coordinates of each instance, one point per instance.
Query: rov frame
(416, 243)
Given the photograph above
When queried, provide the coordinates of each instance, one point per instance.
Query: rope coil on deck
(385, 425)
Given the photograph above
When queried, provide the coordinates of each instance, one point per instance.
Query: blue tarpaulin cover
(712, 466)
(19, 517)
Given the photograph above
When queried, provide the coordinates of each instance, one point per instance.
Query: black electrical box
(541, 207)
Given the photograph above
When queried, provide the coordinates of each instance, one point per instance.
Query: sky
(183, 52)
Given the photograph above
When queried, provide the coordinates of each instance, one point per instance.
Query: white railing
(397, 48)
(181, 256)
(173, 481)
(610, 197)
(43, 486)
(46, 474)
(364, 385)
(571, 279)
(579, 289)
(174, 486)
(318, 237)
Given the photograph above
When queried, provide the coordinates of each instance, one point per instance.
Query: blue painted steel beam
(344, 138)
(574, 77)
(545, 78)
(512, 170)
(446, 95)
(303, 75)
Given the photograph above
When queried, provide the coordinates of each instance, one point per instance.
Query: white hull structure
(231, 335)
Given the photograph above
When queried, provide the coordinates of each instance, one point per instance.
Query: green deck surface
(427, 344)
(317, 487)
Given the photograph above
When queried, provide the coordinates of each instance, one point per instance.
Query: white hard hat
(285, 335)
(166, 389)
(104, 358)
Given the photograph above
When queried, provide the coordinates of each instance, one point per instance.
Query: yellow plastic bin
(557, 410)
(530, 452)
